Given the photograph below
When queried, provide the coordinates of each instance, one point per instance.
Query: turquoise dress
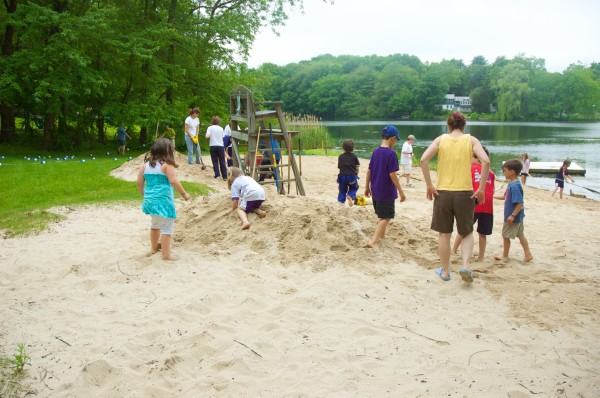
(159, 199)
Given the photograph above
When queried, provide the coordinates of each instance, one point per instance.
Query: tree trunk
(100, 127)
(7, 112)
(49, 130)
(143, 135)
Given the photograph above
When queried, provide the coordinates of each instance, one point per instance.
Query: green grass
(32, 187)
(12, 374)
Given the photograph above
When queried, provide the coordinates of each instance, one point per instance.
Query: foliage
(12, 373)
(22, 358)
(81, 183)
(311, 132)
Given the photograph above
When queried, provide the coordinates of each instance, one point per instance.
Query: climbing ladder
(243, 109)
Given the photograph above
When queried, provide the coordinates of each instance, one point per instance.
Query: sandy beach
(296, 306)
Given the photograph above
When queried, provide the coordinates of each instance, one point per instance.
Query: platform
(552, 168)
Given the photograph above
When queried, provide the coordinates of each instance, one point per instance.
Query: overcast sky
(561, 32)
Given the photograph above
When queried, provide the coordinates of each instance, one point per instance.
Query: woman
(454, 197)
(192, 123)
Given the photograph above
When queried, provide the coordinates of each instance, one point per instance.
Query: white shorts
(407, 168)
(166, 225)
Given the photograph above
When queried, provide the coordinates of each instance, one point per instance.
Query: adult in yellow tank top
(453, 197)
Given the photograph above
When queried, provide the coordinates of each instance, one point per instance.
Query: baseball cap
(411, 137)
(389, 132)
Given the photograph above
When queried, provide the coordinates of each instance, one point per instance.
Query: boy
(383, 183)
(348, 165)
(484, 212)
(406, 158)
(514, 211)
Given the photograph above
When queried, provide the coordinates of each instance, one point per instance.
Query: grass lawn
(32, 184)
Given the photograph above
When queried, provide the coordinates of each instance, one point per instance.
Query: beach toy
(362, 201)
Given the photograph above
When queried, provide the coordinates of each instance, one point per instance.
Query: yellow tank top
(454, 163)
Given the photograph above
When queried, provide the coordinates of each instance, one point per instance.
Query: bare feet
(170, 258)
(500, 258)
(246, 225)
(372, 245)
(528, 259)
(349, 200)
(261, 213)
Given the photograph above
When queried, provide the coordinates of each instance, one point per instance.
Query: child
(214, 133)
(454, 197)
(382, 182)
(406, 158)
(525, 173)
(514, 210)
(246, 194)
(122, 136)
(561, 176)
(158, 176)
(348, 177)
(484, 212)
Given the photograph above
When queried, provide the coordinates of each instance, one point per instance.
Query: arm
(396, 183)
(140, 180)
(515, 212)
(170, 172)
(187, 130)
(207, 135)
(234, 204)
(368, 184)
(485, 169)
(429, 153)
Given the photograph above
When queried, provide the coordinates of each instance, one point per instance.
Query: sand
(296, 306)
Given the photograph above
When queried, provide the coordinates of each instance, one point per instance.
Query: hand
(510, 219)
(367, 192)
(480, 196)
(431, 193)
(402, 197)
(186, 196)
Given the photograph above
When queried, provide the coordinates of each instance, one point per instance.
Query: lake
(549, 142)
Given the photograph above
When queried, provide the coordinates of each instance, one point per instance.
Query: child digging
(246, 195)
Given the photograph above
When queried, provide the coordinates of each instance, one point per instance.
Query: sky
(560, 32)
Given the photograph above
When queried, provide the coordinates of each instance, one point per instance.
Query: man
(406, 158)
(122, 136)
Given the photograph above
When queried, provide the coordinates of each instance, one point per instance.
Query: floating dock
(552, 168)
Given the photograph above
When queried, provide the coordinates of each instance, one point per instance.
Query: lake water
(549, 142)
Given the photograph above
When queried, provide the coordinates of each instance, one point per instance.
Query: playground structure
(257, 137)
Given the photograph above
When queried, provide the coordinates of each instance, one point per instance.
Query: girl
(525, 172)
(561, 175)
(246, 194)
(158, 176)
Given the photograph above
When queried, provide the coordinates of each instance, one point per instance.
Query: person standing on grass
(453, 196)
(192, 125)
(347, 180)
(214, 133)
(155, 181)
(406, 158)
(169, 134)
(561, 176)
(514, 211)
(122, 136)
(382, 182)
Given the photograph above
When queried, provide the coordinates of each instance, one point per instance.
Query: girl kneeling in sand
(246, 194)
(155, 181)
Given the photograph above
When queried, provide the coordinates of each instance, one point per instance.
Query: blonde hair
(232, 174)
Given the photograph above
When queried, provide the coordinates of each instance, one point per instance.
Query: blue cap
(389, 132)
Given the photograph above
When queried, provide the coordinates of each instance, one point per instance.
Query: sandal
(439, 272)
(466, 275)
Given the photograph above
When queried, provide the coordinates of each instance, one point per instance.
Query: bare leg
(379, 232)
(165, 241)
(482, 245)
(349, 200)
(555, 189)
(466, 249)
(244, 217)
(261, 213)
(444, 253)
(505, 249)
(154, 236)
(560, 191)
(528, 256)
(523, 180)
(457, 241)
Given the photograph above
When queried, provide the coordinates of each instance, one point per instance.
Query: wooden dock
(552, 168)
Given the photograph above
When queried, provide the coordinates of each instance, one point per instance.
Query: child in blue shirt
(514, 210)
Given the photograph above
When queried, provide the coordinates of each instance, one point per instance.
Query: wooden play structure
(259, 139)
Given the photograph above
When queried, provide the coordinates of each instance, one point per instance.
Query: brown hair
(161, 152)
(457, 121)
(194, 110)
(514, 165)
(216, 120)
(233, 173)
(348, 145)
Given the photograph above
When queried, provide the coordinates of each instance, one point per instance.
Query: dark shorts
(559, 183)
(384, 210)
(485, 223)
(524, 174)
(450, 205)
(121, 142)
(252, 205)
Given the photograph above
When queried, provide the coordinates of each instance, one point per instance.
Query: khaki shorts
(514, 230)
(450, 205)
(407, 168)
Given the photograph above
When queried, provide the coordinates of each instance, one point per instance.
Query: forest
(72, 70)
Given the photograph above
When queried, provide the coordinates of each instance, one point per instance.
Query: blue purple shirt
(383, 162)
(512, 197)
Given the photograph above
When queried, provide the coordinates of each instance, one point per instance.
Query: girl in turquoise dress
(156, 180)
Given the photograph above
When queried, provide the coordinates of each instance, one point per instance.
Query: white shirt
(245, 189)
(214, 133)
(227, 130)
(192, 125)
(406, 158)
